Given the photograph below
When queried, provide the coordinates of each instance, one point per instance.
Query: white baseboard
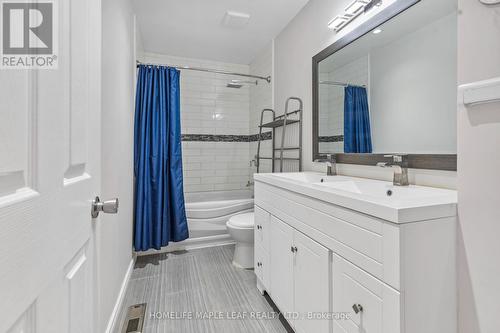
(112, 322)
(192, 244)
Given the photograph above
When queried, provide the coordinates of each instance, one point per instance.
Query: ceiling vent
(235, 19)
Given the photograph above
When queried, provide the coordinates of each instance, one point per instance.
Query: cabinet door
(262, 268)
(261, 229)
(281, 265)
(312, 287)
(377, 304)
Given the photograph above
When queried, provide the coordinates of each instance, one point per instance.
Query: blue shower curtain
(159, 215)
(357, 133)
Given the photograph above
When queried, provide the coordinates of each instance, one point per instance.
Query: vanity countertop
(398, 204)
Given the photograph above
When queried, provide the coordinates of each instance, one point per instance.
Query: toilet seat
(242, 221)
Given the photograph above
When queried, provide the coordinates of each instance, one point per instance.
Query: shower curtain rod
(342, 84)
(200, 69)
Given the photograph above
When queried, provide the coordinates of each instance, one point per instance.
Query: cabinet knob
(357, 308)
(259, 264)
(292, 249)
(295, 249)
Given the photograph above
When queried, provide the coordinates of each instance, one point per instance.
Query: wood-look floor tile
(195, 282)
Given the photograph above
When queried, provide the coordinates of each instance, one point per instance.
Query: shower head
(239, 83)
(234, 85)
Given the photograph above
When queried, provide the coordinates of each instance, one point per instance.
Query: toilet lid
(242, 220)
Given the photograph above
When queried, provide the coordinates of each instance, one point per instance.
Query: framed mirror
(390, 87)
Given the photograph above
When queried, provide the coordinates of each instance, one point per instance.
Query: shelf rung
(284, 158)
(279, 123)
(287, 148)
(289, 113)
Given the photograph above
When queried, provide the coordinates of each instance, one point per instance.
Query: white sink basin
(399, 204)
(310, 177)
(384, 190)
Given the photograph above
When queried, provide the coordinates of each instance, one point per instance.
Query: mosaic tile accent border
(265, 136)
(333, 138)
(225, 138)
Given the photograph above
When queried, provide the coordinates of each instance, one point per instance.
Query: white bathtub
(208, 212)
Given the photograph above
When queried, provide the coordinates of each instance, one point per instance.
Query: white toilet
(240, 228)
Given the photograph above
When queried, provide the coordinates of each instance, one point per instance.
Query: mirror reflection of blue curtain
(357, 133)
(159, 215)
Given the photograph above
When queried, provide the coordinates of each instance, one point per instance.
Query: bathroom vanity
(359, 255)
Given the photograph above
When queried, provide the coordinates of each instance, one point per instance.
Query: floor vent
(135, 319)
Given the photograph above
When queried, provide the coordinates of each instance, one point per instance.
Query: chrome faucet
(331, 164)
(400, 165)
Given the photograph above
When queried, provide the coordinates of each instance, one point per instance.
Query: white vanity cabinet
(319, 258)
(298, 278)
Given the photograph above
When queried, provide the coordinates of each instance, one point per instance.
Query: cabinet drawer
(261, 267)
(380, 303)
(261, 228)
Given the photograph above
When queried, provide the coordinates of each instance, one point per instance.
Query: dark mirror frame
(415, 161)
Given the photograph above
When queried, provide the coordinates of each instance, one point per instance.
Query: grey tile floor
(197, 282)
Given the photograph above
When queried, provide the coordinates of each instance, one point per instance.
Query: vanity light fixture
(356, 7)
(351, 12)
(338, 22)
(377, 31)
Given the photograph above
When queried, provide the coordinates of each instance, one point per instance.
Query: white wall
(118, 90)
(261, 97)
(413, 95)
(209, 107)
(479, 177)
(305, 36)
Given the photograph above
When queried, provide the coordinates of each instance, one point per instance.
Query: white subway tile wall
(209, 107)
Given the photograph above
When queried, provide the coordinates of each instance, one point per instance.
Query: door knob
(357, 308)
(108, 206)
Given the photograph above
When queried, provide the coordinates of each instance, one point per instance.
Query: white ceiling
(193, 28)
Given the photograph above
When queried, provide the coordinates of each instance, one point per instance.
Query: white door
(311, 287)
(281, 258)
(49, 173)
